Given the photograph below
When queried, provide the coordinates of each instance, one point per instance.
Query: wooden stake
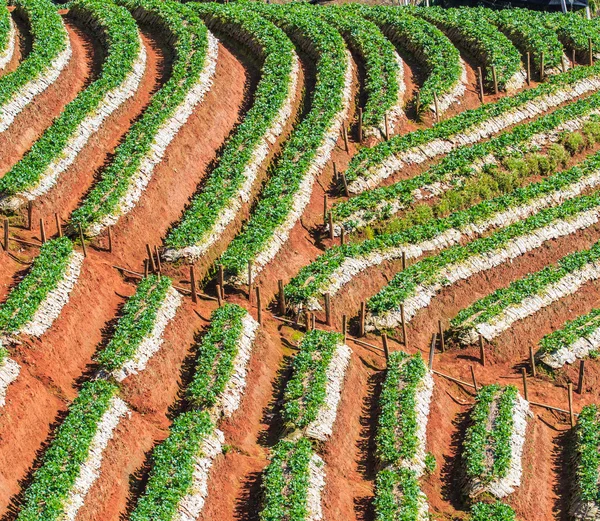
(42, 231)
(335, 172)
(571, 415)
(158, 264)
(81, 236)
(473, 378)
(345, 326)
(145, 268)
(331, 231)
(281, 297)
(360, 124)
(5, 243)
(581, 376)
(403, 260)
(525, 391)
(313, 320)
(151, 265)
(342, 236)
(221, 280)
(573, 58)
(362, 319)
(495, 78)
(528, 69)
(345, 134)
(325, 209)
(563, 64)
(386, 348)
(480, 84)
(328, 309)
(542, 66)
(432, 350)
(441, 333)
(219, 296)
(591, 51)
(437, 107)
(30, 215)
(403, 318)
(259, 305)
(58, 227)
(110, 242)
(386, 127)
(346, 192)
(532, 361)
(193, 284)
(481, 351)
(249, 281)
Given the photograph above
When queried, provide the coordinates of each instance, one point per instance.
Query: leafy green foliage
(4, 28)
(587, 443)
(574, 32)
(571, 332)
(492, 512)
(47, 271)
(397, 495)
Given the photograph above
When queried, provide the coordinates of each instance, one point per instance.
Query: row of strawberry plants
(230, 183)
(58, 486)
(574, 32)
(304, 154)
(50, 52)
(576, 339)
(384, 76)
(459, 165)
(313, 392)
(7, 36)
(122, 182)
(59, 145)
(482, 39)
(586, 497)
(420, 282)
(398, 496)
(138, 332)
(492, 512)
(339, 264)
(439, 58)
(371, 165)
(496, 312)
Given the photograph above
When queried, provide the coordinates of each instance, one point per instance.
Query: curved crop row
(574, 32)
(446, 74)
(50, 53)
(482, 39)
(398, 495)
(340, 264)
(122, 182)
(60, 144)
(289, 187)
(384, 74)
(230, 184)
(7, 37)
(371, 165)
(495, 313)
(420, 282)
(492, 512)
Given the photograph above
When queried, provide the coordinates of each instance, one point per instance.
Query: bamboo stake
(193, 284)
(313, 320)
(328, 309)
(249, 281)
(473, 378)
(42, 231)
(82, 240)
(528, 69)
(437, 108)
(542, 66)
(532, 361)
(362, 320)
(281, 297)
(581, 376)
(591, 52)
(432, 350)
(571, 415)
(403, 260)
(151, 265)
(495, 78)
(259, 305)
(525, 391)
(158, 264)
(345, 326)
(481, 351)
(441, 333)
(480, 84)
(221, 279)
(331, 234)
(563, 64)
(58, 227)
(335, 172)
(386, 348)
(345, 135)
(325, 209)
(573, 58)
(346, 191)
(360, 124)
(342, 236)
(403, 318)
(219, 296)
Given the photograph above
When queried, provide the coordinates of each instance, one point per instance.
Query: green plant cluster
(493, 305)
(587, 443)
(367, 159)
(573, 330)
(225, 181)
(48, 269)
(574, 32)
(481, 441)
(190, 42)
(300, 150)
(216, 356)
(118, 31)
(136, 322)
(429, 270)
(439, 58)
(49, 38)
(173, 463)
(492, 512)
(4, 28)
(379, 58)
(286, 481)
(305, 392)
(310, 280)
(398, 496)
(397, 425)
(47, 495)
(482, 39)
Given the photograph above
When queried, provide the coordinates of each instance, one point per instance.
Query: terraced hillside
(297, 263)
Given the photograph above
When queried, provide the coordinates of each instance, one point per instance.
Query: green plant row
(136, 322)
(492, 512)
(49, 38)
(367, 159)
(46, 497)
(46, 272)
(225, 181)
(190, 42)
(305, 392)
(398, 496)
(574, 32)
(286, 482)
(430, 270)
(379, 58)
(490, 307)
(216, 356)
(397, 425)
(480, 441)
(573, 330)
(118, 32)
(173, 461)
(300, 150)
(482, 39)
(4, 28)
(313, 278)
(439, 58)
(587, 445)
(528, 32)
(457, 166)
